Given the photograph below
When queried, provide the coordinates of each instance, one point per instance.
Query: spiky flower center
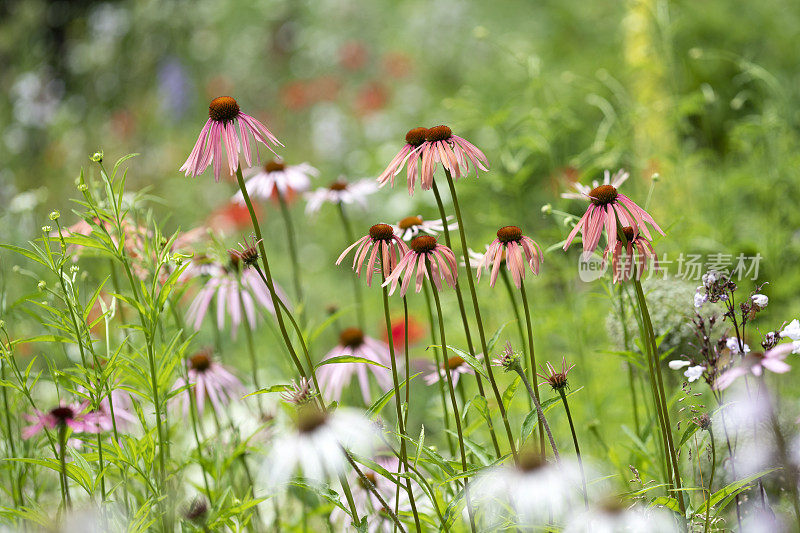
(438, 133)
(529, 460)
(416, 136)
(351, 337)
(223, 109)
(423, 244)
(455, 362)
(558, 381)
(62, 414)
(381, 232)
(410, 222)
(603, 195)
(310, 419)
(509, 234)
(201, 361)
(338, 185)
(274, 166)
(197, 509)
(628, 232)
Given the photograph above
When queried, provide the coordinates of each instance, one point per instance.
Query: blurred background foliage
(703, 95)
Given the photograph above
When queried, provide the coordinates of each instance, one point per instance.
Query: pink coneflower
(556, 379)
(457, 367)
(299, 393)
(582, 191)
(223, 111)
(277, 178)
(72, 416)
(382, 240)
(407, 156)
(210, 380)
(352, 341)
(755, 363)
(341, 192)
(452, 151)
(607, 205)
(638, 251)
(509, 247)
(124, 415)
(233, 290)
(410, 227)
(424, 251)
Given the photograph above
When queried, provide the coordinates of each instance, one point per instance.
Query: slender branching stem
(577, 448)
(292, 243)
(518, 369)
(529, 326)
(711, 478)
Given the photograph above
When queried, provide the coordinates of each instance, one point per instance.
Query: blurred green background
(703, 95)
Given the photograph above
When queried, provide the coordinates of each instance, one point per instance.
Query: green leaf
(349, 359)
(27, 253)
(493, 341)
(509, 392)
(471, 361)
(265, 390)
(527, 426)
(376, 407)
(731, 490)
(691, 429)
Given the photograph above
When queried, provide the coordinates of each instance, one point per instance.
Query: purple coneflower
(409, 156)
(219, 128)
(457, 367)
(335, 376)
(424, 251)
(755, 363)
(210, 380)
(509, 247)
(278, 178)
(380, 239)
(72, 416)
(410, 227)
(299, 393)
(341, 192)
(452, 151)
(638, 251)
(606, 205)
(556, 379)
(233, 290)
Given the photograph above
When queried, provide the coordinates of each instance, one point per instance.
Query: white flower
(341, 192)
(693, 373)
(677, 364)
(278, 177)
(538, 492)
(733, 345)
(611, 519)
(700, 297)
(710, 278)
(760, 300)
(316, 445)
(792, 330)
(582, 191)
(412, 226)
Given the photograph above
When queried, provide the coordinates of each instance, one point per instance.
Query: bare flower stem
(520, 327)
(577, 449)
(371, 487)
(453, 400)
(291, 241)
(481, 333)
(62, 459)
(529, 325)
(518, 369)
(349, 235)
(446, 417)
(711, 479)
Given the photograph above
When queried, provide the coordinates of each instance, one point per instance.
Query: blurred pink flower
(210, 380)
(72, 416)
(424, 250)
(381, 238)
(457, 367)
(218, 130)
(335, 376)
(606, 206)
(638, 252)
(277, 178)
(755, 363)
(509, 247)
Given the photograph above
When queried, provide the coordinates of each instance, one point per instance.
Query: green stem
(520, 328)
(453, 401)
(290, 237)
(631, 376)
(407, 361)
(15, 488)
(518, 369)
(577, 449)
(62, 458)
(251, 350)
(359, 298)
(711, 479)
(193, 413)
(398, 406)
(464, 320)
(446, 418)
(481, 333)
(529, 326)
(371, 487)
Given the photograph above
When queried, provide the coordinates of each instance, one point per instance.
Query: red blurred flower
(295, 95)
(231, 218)
(371, 97)
(416, 332)
(353, 55)
(397, 64)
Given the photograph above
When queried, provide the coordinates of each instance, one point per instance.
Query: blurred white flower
(616, 519)
(700, 297)
(792, 330)
(677, 364)
(316, 445)
(693, 373)
(760, 300)
(733, 345)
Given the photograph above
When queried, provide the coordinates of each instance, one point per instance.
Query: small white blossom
(700, 297)
(693, 373)
(760, 300)
(677, 364)
(733, 345)
(792, 330)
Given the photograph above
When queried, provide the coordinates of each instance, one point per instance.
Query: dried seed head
(603, 195)
(423, 244)
(338, 185)
(351, 337)
(248, 253)
(309, 419)
(416, 136)
(509, 234)
(438, 133)
(704, 421)
(273, 165)
(381, 232)
(410, 222)
(223, 109)
(201, 361)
